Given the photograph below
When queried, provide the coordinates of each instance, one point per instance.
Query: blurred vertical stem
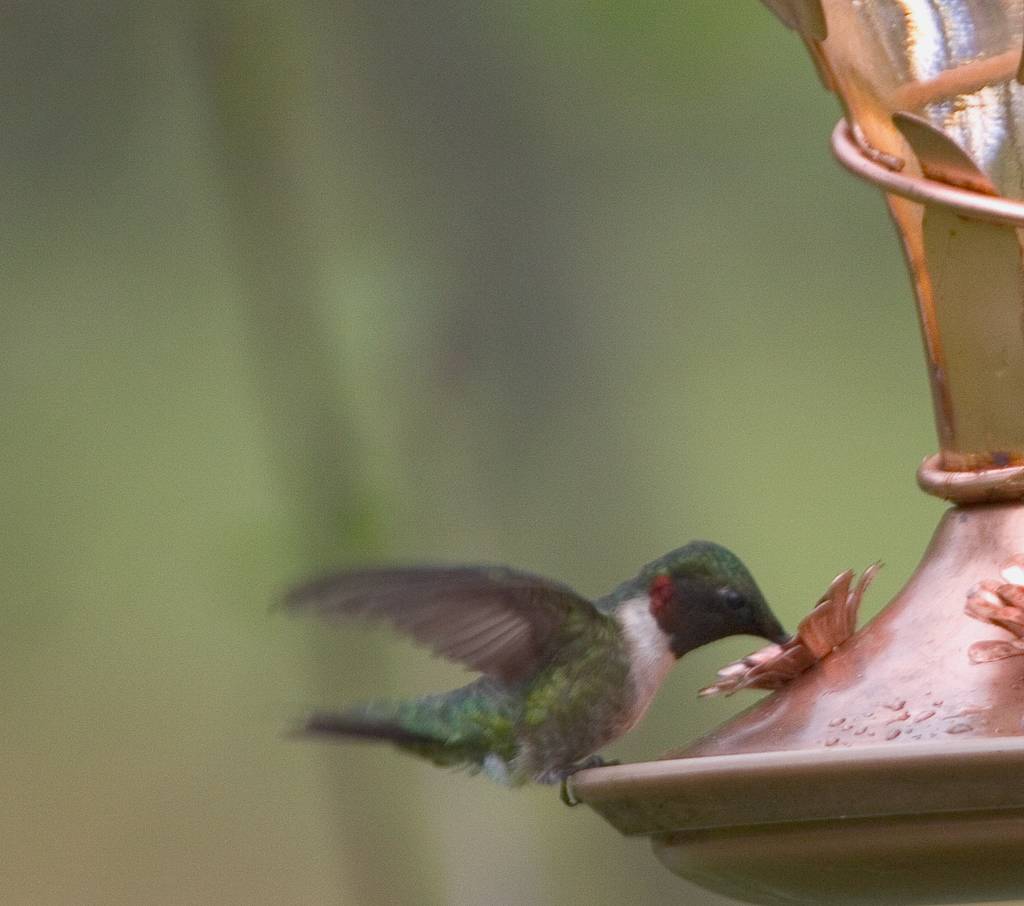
(272, 167)
(258, 65)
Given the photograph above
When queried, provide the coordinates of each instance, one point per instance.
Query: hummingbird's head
(702, 592)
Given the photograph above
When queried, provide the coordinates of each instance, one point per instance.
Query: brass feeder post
(892, 771)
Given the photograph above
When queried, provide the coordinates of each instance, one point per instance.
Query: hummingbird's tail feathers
(354, 725)
(429, 727)
(460, 728)
(384, 723)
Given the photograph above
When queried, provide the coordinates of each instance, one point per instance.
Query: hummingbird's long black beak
(773, 631)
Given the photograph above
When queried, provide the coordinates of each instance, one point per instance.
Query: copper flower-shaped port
(831, 622)
(1002, 605)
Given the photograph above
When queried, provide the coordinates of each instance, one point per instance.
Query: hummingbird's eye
(731, 598)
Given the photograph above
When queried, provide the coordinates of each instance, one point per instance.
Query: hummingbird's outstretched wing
(495, 620)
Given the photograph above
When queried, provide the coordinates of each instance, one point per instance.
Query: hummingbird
(561, 676)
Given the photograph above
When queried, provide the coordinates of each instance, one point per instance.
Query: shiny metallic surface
(701, 794)
(973, 486)
(952, 62)
(916, 188)
(963, 249)
(917, 860)
(930, 89)
(805, 16)
(905, 677)
(941, 158)
(885, 773)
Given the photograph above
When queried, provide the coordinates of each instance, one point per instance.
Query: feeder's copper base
(854, 774)
(905, 677)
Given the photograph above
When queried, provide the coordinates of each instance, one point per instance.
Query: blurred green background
(290, 286)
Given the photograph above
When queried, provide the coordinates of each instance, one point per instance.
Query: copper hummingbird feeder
(890, 770)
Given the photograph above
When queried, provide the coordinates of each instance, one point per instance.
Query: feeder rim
(700, 793)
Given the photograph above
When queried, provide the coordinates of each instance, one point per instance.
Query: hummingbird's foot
(565, 794)
(592, 761)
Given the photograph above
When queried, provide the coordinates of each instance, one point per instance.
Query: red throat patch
(661, 592)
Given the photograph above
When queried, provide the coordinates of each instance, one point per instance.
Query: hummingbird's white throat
(650, 655)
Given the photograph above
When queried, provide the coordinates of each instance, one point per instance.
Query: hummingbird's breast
(649, 654)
